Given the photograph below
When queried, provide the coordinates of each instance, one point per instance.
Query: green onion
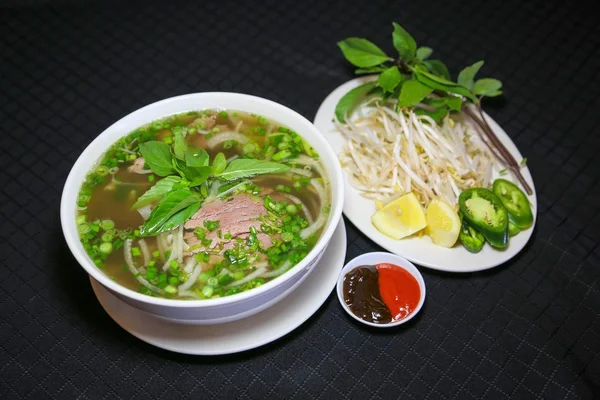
(106, 247)
(156, 254)
(207, 291)
(84, 228)
(168, 140)
(203, 277)
(211, 225)
(212, 281)
(223, 114)
(135, 251)
(237, 275)
(152, 263)
(287, 236)
(151, 178)
(291, 209)
(174, 280)
(170, 289)
(80, 219)
(107, 237)
(174, 264)
(102, 170)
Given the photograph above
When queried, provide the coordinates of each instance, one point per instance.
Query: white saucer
(244, 334)
(420, 250)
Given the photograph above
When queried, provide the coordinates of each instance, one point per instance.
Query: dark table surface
(527, 329)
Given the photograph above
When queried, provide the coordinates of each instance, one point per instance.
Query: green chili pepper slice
(515, 201)
(484, 211)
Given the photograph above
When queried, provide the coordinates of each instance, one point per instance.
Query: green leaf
(372, 70)
(453, 103)
(389, 79)
(179, 144)
(158, 157)
(219, 164)
(201, 174)
(438, 68)
(437, 114)
(180, 217)
(362, 53)
(466, 77)
(157, 192)
(404, 43)
(412, 93)
(487, 87)
(170, 205)
(423, 53)
(351, 99)
(196, 157)
(441, 84)
(243, 168)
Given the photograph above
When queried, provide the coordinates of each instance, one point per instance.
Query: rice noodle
(279, 271)
(389, 153)
(312, 229)
(145, 251)
(231, 190)
(145, 212)
(305, 209)
(191, 279)
(180, 244)
(300, 171)
(174, 248)
(224, 136)
(306, 160)
(189, 293)
(136, 273)
(189, 266)
(249, 277)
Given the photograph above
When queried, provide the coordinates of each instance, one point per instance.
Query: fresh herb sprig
(415, 80)
(188, 175)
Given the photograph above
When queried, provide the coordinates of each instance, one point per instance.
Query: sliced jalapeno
(513, 230)
(515, 201)
(484, 211)
(470, 238)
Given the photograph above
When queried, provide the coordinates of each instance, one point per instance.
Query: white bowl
(374, 259)
(210, 311)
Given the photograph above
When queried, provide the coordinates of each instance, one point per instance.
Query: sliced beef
(235, 215)
(137, 166)
(205, 123)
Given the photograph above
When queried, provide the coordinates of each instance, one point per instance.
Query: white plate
(419, 250)
(240, 335)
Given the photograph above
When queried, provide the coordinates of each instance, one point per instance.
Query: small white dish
(374, 259)
(420, 250)
(244, 334)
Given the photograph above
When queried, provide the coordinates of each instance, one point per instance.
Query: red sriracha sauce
(399, 290)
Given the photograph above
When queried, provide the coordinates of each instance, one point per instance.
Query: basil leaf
(201, 175)
(158, 157)
(219, 164)
(179, 144)
(171, 204)
(157, 191)
(466, 77)
(444, 85)
(487, 87)
(423, 53)
(372, 70)
(389, 79)
(196, 157)
(437, 114)
(452, 102)
(412, 93)
(438, 68)
(243, 168)
(362, 53)
(180, 217)
(351, 99)
(404, 43)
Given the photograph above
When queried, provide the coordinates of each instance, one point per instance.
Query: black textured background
(528, 329)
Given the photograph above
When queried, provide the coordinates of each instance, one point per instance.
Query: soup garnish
(203, 204)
